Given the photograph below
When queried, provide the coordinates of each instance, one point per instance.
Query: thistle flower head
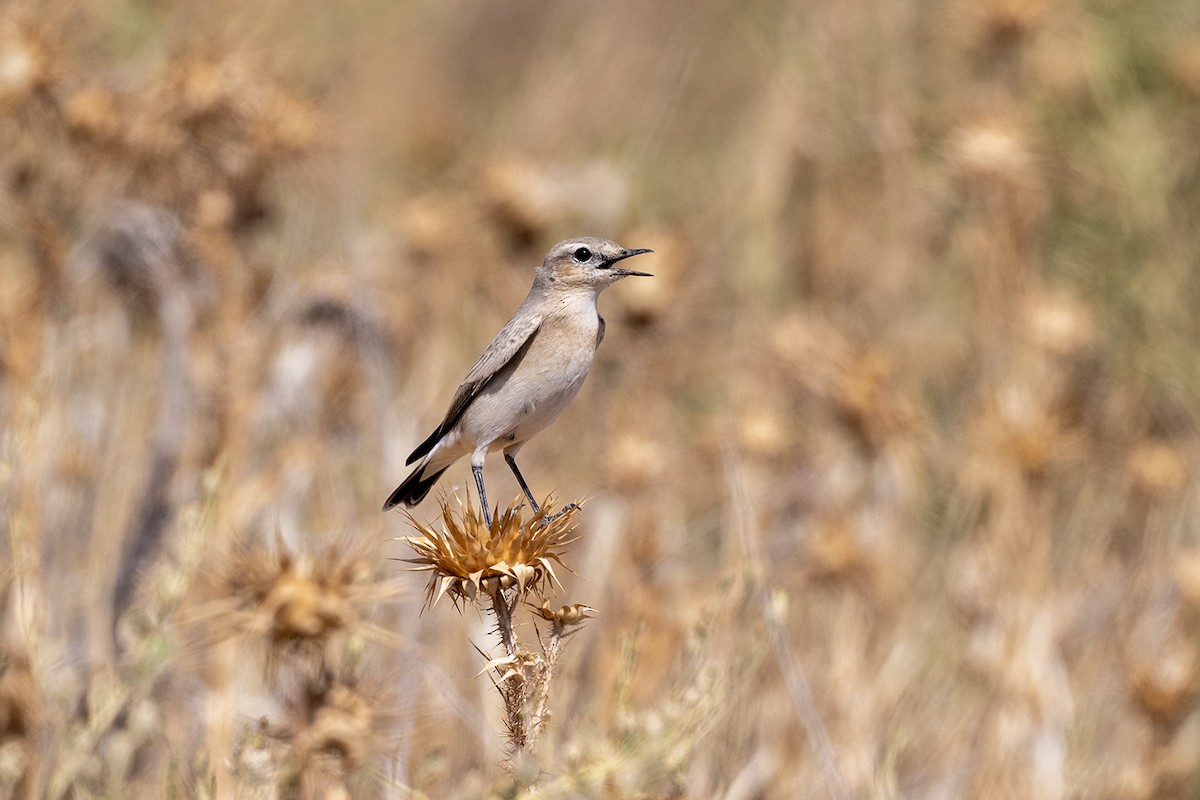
(565, 616)
(297, 601)
(293, 597)
(465, 557)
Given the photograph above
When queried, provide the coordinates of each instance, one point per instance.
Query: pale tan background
(918, 367)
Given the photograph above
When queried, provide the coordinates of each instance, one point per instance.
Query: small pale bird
(528, 373)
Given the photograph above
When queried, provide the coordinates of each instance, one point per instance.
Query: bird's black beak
(629, 254)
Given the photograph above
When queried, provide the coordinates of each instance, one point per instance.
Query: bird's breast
(533, 391)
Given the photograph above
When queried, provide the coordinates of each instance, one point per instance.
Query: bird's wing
(508, 344)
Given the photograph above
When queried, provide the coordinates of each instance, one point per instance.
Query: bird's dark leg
(483, 501)
(512, 464)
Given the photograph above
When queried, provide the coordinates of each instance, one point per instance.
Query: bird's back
(535, 387)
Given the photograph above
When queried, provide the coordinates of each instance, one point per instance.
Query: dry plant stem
(512, 681)
(504, 610)
(793, 673)
(541, 689)
(525, 677)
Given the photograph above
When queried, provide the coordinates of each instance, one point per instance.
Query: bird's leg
(483, 501)
(546, 520)
(568, 507)
(512, 464)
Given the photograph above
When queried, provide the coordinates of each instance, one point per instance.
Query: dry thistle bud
(867, 400)
(858, 383)
(1022, 429)
(428, 222)
(1004, 23)
(203, 85)
(566, 616)
(341, 721)
(25, 64)
(1165, 684)
(21, 721)
(466, 558)
(764, 432)
(1059, 323)
(992, 151)
(288, 126)
(1158, 470)
(1161, 657)
(301, 599)
(531, 198)
(93, 113)
(635, 460)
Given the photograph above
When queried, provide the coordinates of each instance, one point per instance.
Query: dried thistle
(21, 720)
(298, 601)
(337, 726)
(465, 558)
(504, 563)
(27, 61)
(566, 616)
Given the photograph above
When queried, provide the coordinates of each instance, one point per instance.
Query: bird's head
(586, 262)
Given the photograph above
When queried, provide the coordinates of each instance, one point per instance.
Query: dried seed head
(429, 222)
(287, 125)
(992, 150)
(20, 720)
(94, 113)
(213, 209)
(1005, 23)
(1058, 323)
(635, 460)
(1020, 428)
(298, 599)
(530, 198)
(1161, 657)
(26, 63)
(566, 616)
(1165, 683)
(859, 383)
(20, 714)
(1157, 469)
(465, 557)
(867, 400)
(764, 432)
(340, 721)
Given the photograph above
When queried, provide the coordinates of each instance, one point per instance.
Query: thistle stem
(541, 688)
(504, 623)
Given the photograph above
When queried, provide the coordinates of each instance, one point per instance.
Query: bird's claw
(546, 520)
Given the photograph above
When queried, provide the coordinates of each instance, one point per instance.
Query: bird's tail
(414, 488)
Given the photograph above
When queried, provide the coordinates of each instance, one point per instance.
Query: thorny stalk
(541, 694)
(505, 562)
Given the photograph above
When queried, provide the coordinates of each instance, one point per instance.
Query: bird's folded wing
(504, 347)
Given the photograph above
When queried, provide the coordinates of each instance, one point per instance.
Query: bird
(528, 374)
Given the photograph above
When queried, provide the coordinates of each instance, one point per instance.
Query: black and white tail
(414, 488)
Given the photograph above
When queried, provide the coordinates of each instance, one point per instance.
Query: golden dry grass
(891, 472)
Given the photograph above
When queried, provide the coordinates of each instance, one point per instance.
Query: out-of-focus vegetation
(892, 469)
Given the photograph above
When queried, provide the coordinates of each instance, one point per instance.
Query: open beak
(622, 273)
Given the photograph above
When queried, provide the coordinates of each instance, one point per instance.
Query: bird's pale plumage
(506, 344)
(528, 373)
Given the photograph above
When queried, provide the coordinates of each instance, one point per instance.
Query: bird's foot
(546, 520)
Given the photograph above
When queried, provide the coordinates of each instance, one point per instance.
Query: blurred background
(890, 471)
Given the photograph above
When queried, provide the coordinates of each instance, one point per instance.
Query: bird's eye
(582, 255)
